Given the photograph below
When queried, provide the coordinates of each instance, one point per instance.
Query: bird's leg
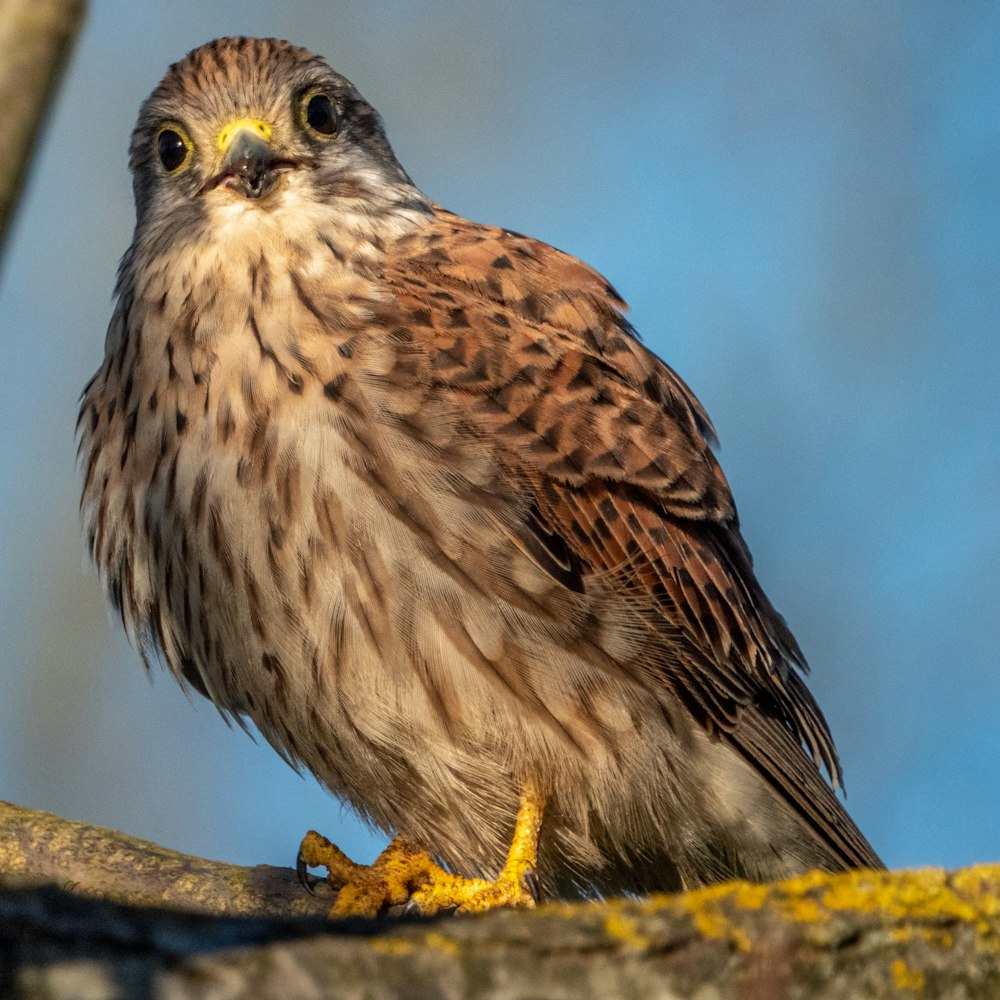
(405, 874)
(515, 886)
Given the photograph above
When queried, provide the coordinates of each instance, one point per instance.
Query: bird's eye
(173, 149)
(319, 115)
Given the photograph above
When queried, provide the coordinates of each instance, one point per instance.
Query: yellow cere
(229, 133)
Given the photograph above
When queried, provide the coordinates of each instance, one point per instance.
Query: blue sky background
(800, 200)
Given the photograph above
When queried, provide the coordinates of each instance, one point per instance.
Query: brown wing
(613, 450)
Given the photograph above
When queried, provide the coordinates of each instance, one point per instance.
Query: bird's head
(244, 128)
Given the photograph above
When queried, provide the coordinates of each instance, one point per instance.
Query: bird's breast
(303, 524)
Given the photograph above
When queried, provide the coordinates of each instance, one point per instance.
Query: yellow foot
(404, 874)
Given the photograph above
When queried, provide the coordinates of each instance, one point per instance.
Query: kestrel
(406, 491)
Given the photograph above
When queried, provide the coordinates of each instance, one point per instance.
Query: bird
(407, 493)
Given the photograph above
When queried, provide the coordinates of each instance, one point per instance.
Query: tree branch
(35, 39)
(90, 861)
(926, 934)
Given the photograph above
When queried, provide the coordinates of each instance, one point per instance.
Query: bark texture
(35, 39)
(926, 933)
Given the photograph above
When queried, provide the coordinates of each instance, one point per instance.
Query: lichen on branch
(142, 918)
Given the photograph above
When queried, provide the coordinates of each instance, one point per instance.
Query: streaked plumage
(406, 491)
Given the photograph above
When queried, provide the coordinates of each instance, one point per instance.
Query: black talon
(530, 882)
(302, 870)
(411, 909)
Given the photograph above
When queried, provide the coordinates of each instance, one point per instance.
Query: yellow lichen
(710, 922)
(391, 946)
(917, 894)
(625, 929)
(749, 896)
(906, 978)
(800, 910)
(977, 882)
(439, 942)
(970, 898)
(932, 935)
(741, 939)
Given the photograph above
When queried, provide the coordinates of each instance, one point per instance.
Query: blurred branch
(927, 933)
(37, 847)
(35, 39)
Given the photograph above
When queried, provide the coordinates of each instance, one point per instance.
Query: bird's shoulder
(536, 347)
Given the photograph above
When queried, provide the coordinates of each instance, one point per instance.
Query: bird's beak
(249, 164)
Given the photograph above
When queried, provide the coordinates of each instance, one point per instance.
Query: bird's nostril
(252, 176)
